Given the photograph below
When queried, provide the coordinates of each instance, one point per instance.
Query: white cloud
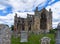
(24, 14)
(9, 19)
(56, 10)
(23, 5)
(55, 24)
(2, 7)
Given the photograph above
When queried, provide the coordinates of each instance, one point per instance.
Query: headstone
(5, 35)
(45, 40)
(24, 36)
(58, 34)
(58, 27)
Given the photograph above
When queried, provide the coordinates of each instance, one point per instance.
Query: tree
(12, 27)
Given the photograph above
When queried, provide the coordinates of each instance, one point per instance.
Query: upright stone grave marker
(5, 34)
(58, 34)
(24, 36)
(45, 40)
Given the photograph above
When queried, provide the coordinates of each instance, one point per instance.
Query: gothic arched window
(43, 21)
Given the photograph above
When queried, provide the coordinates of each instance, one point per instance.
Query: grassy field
(33, 39)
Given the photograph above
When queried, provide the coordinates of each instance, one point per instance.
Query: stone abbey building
(41, 21)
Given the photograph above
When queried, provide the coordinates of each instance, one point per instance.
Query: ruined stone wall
(26, 25)
(35, 23)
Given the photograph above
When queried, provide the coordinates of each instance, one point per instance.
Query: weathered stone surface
(45, 40)
(58, 34)
(58, 27)
(40, 21)
(5, 35)
(24, 36)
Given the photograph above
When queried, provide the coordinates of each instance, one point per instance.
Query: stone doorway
(43, 21)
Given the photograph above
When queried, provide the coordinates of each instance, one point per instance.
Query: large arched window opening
(43, 21)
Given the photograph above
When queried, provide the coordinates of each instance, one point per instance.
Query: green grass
(33, 39)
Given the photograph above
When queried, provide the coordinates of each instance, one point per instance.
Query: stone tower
(36, 21)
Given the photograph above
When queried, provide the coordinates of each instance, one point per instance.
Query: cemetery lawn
(33, 39)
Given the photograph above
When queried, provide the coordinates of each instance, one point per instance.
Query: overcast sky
(8, 8)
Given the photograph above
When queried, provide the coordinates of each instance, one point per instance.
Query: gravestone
(58, 34)
(24, 36)
(5, 35)
(45, 40)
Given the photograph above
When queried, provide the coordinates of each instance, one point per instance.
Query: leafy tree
(12, 27)
(53, 30)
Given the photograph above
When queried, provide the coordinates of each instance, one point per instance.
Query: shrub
(52, 31)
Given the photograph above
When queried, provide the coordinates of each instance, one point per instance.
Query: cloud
(55, 24)
(24, 5)
(2, 7)
(21, 6)
(24, 14)
(9, 19)
(56, 10)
